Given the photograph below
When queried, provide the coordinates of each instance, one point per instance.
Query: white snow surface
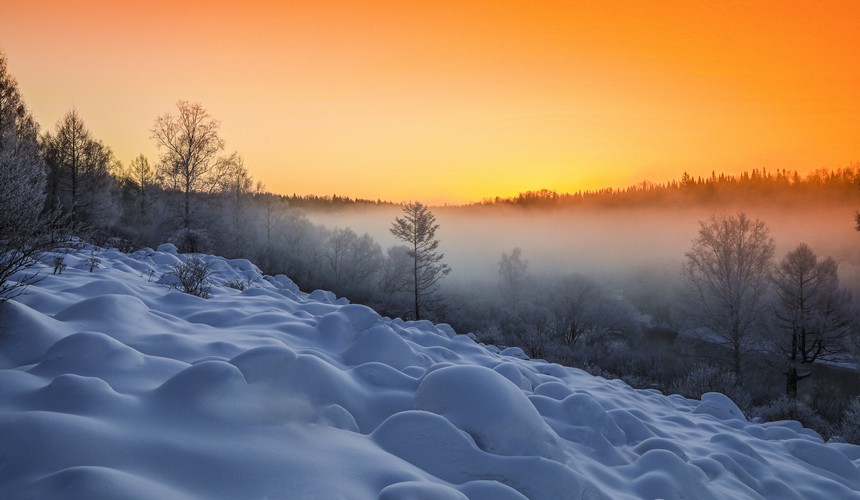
(115, 386)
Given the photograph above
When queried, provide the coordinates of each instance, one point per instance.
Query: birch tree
(191, 159)
(727, 272)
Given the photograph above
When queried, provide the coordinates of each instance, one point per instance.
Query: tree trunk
(736, 355)
(791, 379)
(415, 273)
(187, 218)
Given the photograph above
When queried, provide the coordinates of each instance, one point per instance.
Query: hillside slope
(115, 386)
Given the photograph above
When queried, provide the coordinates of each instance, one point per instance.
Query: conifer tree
(418, 228)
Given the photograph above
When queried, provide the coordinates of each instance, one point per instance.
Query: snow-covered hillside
(114, 386)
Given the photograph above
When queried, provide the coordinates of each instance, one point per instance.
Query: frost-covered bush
(93, 261)
(704, 378)
(237, 284)
(785, 408)
(192, 241)
(193, 276)
(849, 428)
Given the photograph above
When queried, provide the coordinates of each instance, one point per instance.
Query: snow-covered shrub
(193, 276)
(191, 240)
(849, 428)
(93, 261)
(237, 284)
(785, 408)
(704, 377)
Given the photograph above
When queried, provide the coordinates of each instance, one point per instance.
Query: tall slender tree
(727, 271)
(79, 177)
(418, 228)
(513, 276)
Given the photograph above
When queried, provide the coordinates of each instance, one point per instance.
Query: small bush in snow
(93, 261)
(192, 240)
(193, 276)
(704, 378)
(237, 284)
(785, 408)
(59, 264)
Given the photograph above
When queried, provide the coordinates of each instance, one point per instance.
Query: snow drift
(114, 386)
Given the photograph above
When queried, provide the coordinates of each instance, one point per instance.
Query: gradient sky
(451, 101)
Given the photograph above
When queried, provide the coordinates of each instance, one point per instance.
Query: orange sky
(457, 100)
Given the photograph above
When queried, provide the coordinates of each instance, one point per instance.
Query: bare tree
(351, 261)
(79, 179)
(418, 228)
(335, 255)
(395, 281)
(513, 276)
(141, 176)
(574, 309)
(193, 276)
(237, 185)
(190, 154)
(727, 271)
(274, 211)
(811, 311)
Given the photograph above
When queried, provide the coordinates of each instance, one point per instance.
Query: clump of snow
(115, 386)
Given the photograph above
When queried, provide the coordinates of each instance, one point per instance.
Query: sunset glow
(450, 101)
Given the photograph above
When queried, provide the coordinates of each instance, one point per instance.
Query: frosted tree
(237, 186)
(272, 211)
(395, 282)
(513, 275)
(22, 183)
(575, 312)
(335, 255)
(142, 178)
(351, 262)
(727, 272)
(79, 166)
(191, 159)
(418, 228)
(811, 311)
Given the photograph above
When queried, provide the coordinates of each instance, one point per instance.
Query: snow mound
(115, 386)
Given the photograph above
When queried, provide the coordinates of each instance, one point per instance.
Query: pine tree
(418, 228)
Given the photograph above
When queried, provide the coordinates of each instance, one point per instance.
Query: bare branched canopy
(190, 149)
(79, 169)
(812, 312)
(728, 270)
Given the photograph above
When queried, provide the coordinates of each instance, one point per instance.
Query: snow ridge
(114, 386)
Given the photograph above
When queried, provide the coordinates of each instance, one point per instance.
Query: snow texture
(115, 386)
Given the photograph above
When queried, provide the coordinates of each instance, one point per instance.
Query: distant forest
(758, 186)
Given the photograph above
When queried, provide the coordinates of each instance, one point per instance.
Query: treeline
(66, 181)
(334, 202)
(749, 189)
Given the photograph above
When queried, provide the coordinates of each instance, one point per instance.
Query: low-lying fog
(614, 245)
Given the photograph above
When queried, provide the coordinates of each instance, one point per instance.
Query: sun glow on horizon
(452, 102)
